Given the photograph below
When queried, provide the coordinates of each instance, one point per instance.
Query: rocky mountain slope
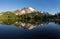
(25, 10)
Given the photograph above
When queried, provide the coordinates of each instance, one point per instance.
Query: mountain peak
(32, 9)
(26, 10)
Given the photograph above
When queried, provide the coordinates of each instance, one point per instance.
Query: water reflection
(57, 22)
(26, 24)
(31, 24)
(25, 29)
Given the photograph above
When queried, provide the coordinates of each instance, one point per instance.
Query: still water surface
(38, 30)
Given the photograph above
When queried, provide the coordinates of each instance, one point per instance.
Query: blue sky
(51, 6)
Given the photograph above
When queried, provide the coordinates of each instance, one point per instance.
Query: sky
(51, 6)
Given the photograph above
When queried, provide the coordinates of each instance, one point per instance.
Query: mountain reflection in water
(26, 25)
(33, 29)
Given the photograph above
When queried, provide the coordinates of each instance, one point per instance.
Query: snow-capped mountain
(32, 9)
(25, 10)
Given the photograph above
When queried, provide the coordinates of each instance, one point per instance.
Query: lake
(29, 30)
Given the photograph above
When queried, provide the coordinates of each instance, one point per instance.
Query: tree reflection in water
(26, 24)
